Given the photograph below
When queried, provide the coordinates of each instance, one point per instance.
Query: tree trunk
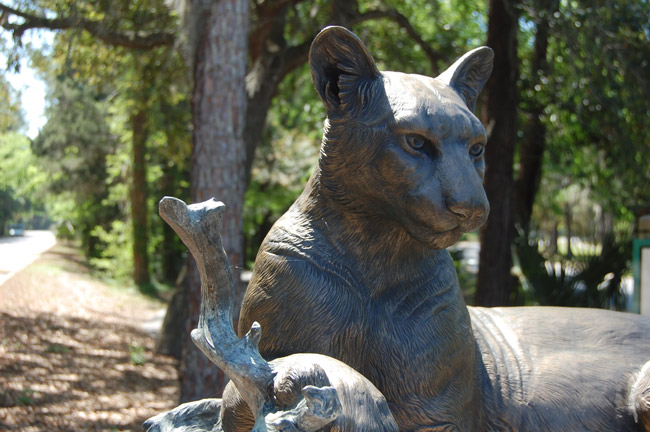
(218, 162)
(171, 337)
(606, 226)
(267, 52)
(568, 217)
(534, 139)
(139, 211)
(170, 250)
(554, 236)
(495, 282)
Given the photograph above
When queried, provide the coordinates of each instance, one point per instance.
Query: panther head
(402, 147)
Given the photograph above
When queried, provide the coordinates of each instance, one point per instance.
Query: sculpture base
(198, 416)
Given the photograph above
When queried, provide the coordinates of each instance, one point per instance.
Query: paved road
(16, 253)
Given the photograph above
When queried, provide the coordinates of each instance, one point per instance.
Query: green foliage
(58, 349)
(137, 354)
(591, 278)
(595, 96)
(296, 110)
(8, 205)
(11, 114)
(73, 147)
(76, 139)
(96, 89)
(282, 165)
(21, 182)
(113, 258)
(450, 27)
(597, 100)
(25, 397)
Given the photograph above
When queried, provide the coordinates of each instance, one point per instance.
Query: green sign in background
(638, 246)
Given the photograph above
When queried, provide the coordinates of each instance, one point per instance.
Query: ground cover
(73, 352)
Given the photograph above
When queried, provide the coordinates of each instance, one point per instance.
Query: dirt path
(73, 355)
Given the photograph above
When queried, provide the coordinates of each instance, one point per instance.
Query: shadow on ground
(61, 373)
(82, 366)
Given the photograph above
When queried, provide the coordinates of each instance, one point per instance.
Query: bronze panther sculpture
(356, 269)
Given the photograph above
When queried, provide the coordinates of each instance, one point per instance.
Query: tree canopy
(129, 110)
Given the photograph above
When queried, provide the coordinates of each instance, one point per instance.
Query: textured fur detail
(356, 269)
(640, 398)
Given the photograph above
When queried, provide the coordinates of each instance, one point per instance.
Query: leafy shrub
(591, 278)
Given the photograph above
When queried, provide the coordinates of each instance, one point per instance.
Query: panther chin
(437, 239)
(442, 239)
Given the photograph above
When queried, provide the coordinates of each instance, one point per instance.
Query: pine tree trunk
(218, 162)
(139, 211)
(495, 282)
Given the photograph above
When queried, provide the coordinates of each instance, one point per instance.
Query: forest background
(196, 99)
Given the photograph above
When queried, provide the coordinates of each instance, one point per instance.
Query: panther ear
(339, 63)
(468, 75)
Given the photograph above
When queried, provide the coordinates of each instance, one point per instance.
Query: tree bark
(218, 161)
(495, 283)
(534, 139)
(139, 211)
(171, 337)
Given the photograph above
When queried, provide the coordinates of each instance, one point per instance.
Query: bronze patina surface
(357, 271)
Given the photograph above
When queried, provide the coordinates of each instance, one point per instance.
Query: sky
(32, 97)
(32, 89)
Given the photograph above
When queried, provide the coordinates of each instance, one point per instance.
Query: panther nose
(465, 210)
(461, 212)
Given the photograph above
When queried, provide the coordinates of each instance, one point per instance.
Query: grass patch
(58, 349)
(24, 398)
(137, 354)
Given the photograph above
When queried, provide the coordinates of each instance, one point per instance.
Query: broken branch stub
(198, 226)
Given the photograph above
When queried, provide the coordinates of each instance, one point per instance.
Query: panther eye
(477, 149)
(415, 141)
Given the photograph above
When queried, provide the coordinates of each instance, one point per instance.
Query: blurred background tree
(14, 147)
(584, 153)
(134, 114)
